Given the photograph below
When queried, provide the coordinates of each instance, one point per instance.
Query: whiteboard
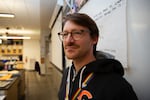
(110, 17)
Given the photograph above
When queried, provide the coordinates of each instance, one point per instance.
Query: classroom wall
(56, 44)
(31, 53)
(138, 28)
(110, 17)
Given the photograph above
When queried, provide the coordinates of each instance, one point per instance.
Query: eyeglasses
(76, 34)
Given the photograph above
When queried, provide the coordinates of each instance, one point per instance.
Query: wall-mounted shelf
(11, 49)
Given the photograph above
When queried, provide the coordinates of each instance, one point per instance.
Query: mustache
(71, 44)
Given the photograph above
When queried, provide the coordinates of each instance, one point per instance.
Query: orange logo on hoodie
(85, 94)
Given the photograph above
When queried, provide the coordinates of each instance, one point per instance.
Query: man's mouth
(71, 48)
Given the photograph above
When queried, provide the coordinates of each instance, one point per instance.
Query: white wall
(110, 18)
(138, 74)
(56, 44)
(31, 53)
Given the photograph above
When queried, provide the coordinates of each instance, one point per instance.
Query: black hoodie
(98, 80)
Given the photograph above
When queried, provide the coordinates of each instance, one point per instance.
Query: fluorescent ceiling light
(14, 37)
(13, 31)
(7, 15)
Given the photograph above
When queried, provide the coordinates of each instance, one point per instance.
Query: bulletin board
(110, 16)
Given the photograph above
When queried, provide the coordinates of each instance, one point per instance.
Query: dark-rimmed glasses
(76, 34)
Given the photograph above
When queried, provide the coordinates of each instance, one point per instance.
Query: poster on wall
(110, 16)
(72, 6)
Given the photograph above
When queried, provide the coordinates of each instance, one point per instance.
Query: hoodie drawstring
(80, 79)
(68, 81)
(81, 85)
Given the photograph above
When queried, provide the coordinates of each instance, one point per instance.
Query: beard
(71, 50)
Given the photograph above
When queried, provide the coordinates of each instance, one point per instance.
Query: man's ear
(95, 40)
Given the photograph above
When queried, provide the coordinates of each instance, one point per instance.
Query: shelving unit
(11, 49)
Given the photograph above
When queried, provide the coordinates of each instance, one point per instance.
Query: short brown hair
(86, 21)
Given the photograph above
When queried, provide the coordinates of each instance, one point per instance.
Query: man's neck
(79, 63)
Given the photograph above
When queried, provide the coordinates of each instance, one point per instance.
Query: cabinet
(11, 50)
(11, 47)
(11, 91)
(21, 86)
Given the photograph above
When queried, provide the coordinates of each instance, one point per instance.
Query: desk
(21, 85)
(16, 89)
(11, 90)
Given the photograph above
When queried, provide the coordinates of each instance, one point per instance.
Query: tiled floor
(39, 87)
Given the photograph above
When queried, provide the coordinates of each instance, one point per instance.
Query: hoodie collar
(105, 66)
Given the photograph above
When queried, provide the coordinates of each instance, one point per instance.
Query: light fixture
(7, 15)
(14, 37)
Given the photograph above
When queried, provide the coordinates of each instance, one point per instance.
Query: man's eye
(76, 32)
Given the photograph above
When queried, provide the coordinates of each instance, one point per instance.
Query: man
(89, 78)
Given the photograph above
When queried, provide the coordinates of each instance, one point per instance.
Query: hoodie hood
(105, 66)
(81, 79)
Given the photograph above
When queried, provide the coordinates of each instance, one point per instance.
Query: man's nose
(69, 38)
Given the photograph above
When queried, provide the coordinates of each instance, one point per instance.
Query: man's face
(77, 49)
